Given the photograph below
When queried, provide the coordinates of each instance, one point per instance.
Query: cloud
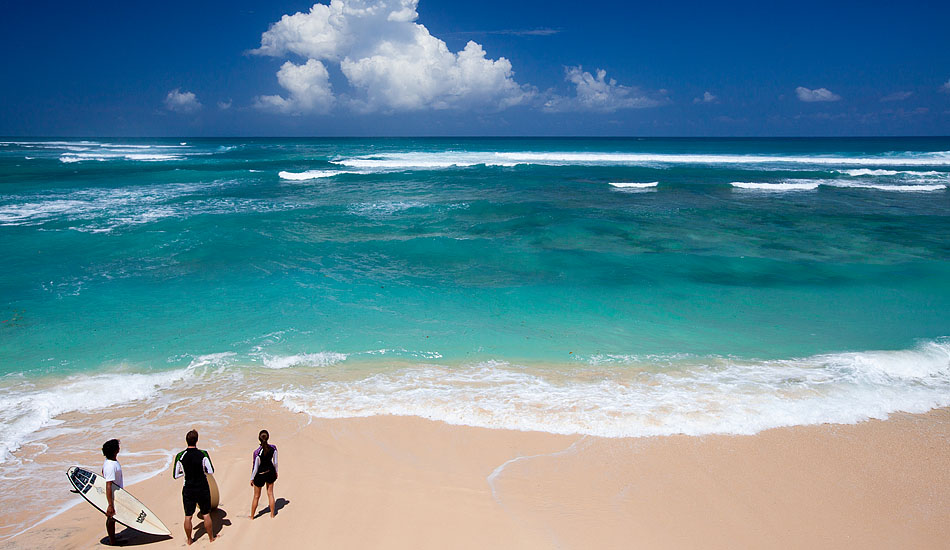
(309, 87)
(897, 96)
(820, 94)
(945, 88)
(707, 98)
(390, 62)
(224, 105)
(182, 102)
(596, 93)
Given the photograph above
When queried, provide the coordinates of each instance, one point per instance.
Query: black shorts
(196, 497)
(265, 477)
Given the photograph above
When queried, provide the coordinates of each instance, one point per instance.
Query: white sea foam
(715, 395)
(101, 209)
(323, 359)
(911, 173)
(635, 185)
(425, 161)
(94, 151)
(113, 155)
(461, 159)
(808, 185)
(27, 407)
(15, 214)
(309, 174)
(921, 159)
(384, 208)
(910, 188)
(796, 185)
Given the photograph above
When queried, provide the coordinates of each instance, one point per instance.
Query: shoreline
(408, 482)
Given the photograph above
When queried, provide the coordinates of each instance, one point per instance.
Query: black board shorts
(265, 477)
(200, 497)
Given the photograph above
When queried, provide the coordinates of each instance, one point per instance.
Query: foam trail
(497, 471)
(309, 174)
(635, 185)
(926, 159)
(458, 159)
(384, 208)
(869, 172)
(912, 188)
(777, 187)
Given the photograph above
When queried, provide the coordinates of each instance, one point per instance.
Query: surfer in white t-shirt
(112, 473)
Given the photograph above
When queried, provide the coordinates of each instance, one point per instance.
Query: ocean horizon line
(482, 136)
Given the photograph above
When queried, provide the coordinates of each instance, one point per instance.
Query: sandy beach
(404, 482)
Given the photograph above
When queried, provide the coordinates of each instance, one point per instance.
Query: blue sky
(438, 67)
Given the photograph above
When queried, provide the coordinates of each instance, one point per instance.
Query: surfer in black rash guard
(194, 463)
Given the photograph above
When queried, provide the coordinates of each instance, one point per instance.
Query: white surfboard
(128, 510)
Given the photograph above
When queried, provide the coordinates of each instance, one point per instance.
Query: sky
(492, 67)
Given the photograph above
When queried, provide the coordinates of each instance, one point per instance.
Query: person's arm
(206, 463)
(110, 511)
(274, 460)
(108, 473)
(255, 463)
(178, 470)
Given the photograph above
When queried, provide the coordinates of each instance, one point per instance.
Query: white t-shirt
(112, 471)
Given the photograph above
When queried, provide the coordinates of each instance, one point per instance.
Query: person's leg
(270, 499)
(188, 530)
(110, 530)
(204, 505)
(254, 500)
(209, 527)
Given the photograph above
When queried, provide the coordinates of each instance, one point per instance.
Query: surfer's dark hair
(266, 450)
(192, 437)
(110, 449)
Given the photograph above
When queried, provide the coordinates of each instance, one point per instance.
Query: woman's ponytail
(266, 450)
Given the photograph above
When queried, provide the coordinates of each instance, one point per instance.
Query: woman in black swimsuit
(264, 472)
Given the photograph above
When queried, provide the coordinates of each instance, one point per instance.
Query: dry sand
(391, 482)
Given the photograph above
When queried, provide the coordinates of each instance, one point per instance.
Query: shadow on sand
(278, 505)
(218, 522)
(131, 537)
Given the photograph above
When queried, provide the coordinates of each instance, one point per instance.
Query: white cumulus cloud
(308, 86)
(182, 102)
(597, 93)
(945, 88)
(706, 98)
(390, 62)
(819, 94)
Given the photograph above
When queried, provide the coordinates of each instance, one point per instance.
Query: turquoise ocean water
(613, 287)
(605, 286)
